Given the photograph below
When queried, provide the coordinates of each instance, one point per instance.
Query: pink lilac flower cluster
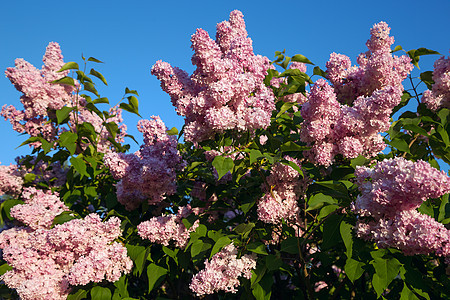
(282, 191)
(39, 94)
(222, 272)
(166, 228)
(47, 262)
(149, 173)
(40, 208)
(11, 181)
(373, 89)
(439, 96)
(226, 91)
(377, 68)
(390, 194)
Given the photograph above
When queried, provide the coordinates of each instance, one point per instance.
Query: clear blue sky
(130, 36)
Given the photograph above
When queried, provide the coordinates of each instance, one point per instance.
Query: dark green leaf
(263, 289)
(69, 66)
(331, 231)
(353, 269)
(80, 294)
(286, 106)
(244, 229)
(4, 268)
(254, 155)
(318, 71)
(100, 293)
(400, 144)
(64, 217)
(301, 58)
(90, 88)
(257, 247)
(273, 262)
(98, 75)
(173, 131)
(221, 242)
(397, 48)
(65, 80)
(139, 255)
(80, 165)
(291, 146)
(290, 245)
(318, 200)
(128, 91)
(93, 59)
(155, 274)
(427, 78)
(68, 139)
(386, 269)
(101, 100)
(222, 165)
(346, 235)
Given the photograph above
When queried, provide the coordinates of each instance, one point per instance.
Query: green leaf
(263, 289)
(358, 161)
(65, 80)
(100, 293)
(69, 66)
(98, 75)
(444, 135)
(29, 177)
(68, 139)
(221, 242)
(254, 155)
(291, 146)
(139, 255)
(386, 269)
(444, 208)
(5, 268)
(427, 78)
(346, 235)
(121, 286)
(90, 88)
(8, 204)
(286, 106)
(198, 247)
(273, 262)
(301, 58)
(400, 144)
(318, 200)
(173, 131)
(64, 217)
(353, 269)
(415, 129)
(79, 165)
(331, 231)
(222, 165)
(80, 294)
(318, 71)
(244, 229)
(93, 59)
(257, 247)
(397, 48)
(290, 245)
(155, 274)
(101, 100)
(407, 294)
(128, 91)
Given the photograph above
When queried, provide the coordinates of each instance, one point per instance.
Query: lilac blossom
(167, 228)
(150, 173)
(439, 96)
(228, 82)
(390, 194)
(222, 272)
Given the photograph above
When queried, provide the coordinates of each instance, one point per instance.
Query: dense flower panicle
(409, 231)
(280, 199)
(373, 89)
(397, 184)
(46, 262)
(331, 128)
(39, 94)
(150, 173)
(40, 208)
(390, 194)
(167, 228)
(377, 68)
(439, 96)
(10, 180)
(222, 272)
(228, 82)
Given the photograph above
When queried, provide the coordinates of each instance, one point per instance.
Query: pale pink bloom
(439, 96)
(222, 272)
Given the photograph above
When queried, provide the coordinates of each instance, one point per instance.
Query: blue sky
(130, 36)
